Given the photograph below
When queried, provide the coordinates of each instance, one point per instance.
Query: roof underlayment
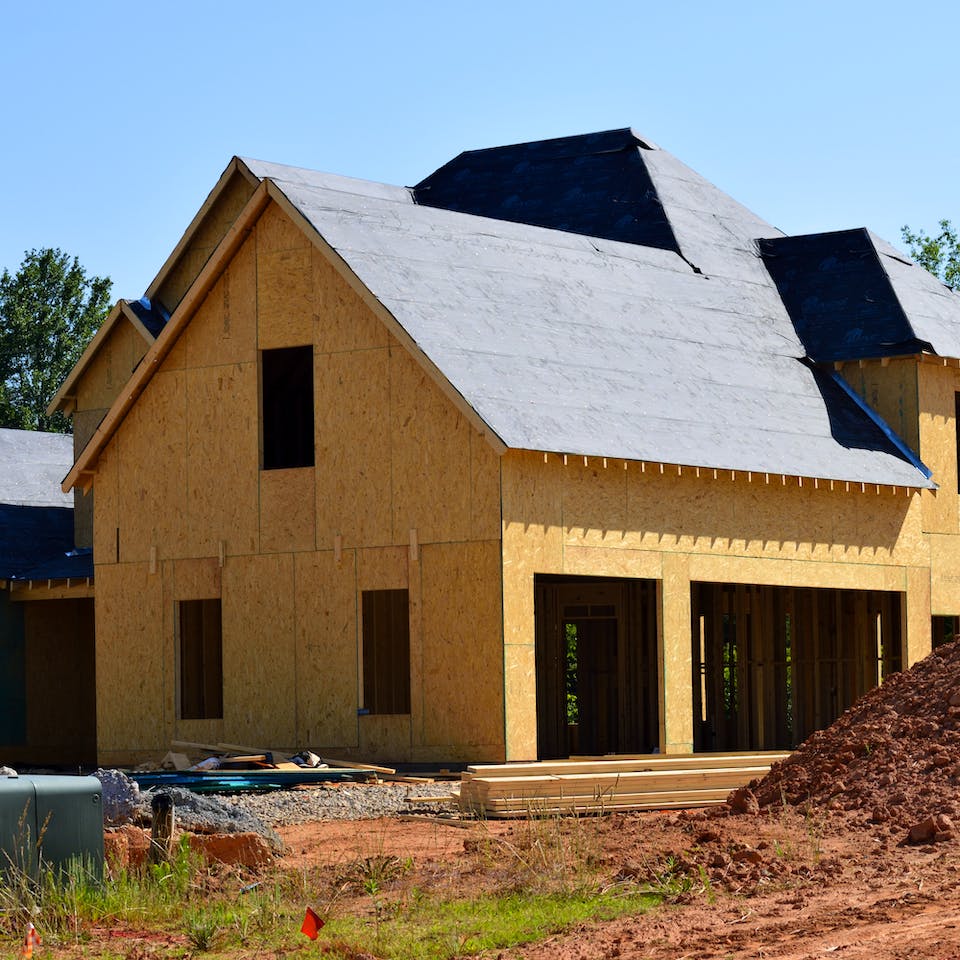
(573, 343)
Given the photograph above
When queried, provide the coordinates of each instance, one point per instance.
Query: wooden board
(599, 786)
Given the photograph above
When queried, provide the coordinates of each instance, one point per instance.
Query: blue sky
(119, 117)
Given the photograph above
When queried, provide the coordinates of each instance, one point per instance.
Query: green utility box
(49, 821)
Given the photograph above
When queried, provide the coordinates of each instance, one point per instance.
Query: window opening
(201, 660)
(287, 408)
(386, 651)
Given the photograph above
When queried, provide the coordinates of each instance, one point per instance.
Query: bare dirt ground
(779, 884)
(847, 848)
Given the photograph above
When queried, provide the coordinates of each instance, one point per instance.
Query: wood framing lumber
(596, 786)
(626, 764)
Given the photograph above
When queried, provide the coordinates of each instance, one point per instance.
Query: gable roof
(574, 343)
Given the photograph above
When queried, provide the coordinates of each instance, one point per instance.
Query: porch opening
(774, 664)
(596, 657)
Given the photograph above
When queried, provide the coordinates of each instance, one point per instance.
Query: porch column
(916, 615)
(674, 656)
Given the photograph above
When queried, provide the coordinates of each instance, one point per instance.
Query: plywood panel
(110, 369)
(612, 562)
(918, 640)
(352, 423)
(259, 651)
(462, 647)
(105, 504)
(938, 387)
(341, 319)
(675, 656)
(677, 511)
(383, 568)
(288, 510)
(130, 669)
(594, 503)
(385, 738)
(532, 536)
(152, 469)
(207, 236)
(945, 574)
(892, 391)
(197, 579)
(484, 489)
(791, 573)
(430, 455)
(223, 330)
(326, 650)
(520, 692)
(222, 457)
(284, 282)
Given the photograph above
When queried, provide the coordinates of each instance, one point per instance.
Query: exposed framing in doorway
(773, 664)
(596, 654)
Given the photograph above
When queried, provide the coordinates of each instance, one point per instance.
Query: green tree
(49, 310)
(940, 254)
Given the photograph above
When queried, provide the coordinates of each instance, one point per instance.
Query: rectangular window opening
(386, 651)
(286, 404)
(201, 660)
(956, 429)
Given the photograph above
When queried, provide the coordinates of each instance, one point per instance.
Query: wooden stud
(414, 548)
(337, 548)
(221, 552)
(153, 558)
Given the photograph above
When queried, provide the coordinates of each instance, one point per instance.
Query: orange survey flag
(31, 940)
(311, 924)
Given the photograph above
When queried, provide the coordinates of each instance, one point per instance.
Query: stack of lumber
(598, 785)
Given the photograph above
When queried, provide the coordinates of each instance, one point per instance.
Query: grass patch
(429, 929)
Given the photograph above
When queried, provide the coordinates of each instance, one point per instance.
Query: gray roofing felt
(572, 344)
(31, 467)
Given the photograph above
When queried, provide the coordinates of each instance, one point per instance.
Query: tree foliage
(49, 310)
(940, 254)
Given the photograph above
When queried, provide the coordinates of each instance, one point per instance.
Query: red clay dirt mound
(894, 756)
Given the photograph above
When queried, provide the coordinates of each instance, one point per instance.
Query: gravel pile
(260, 812)
(893, 758)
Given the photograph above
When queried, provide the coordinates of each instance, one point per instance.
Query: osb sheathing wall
(96, 389)
(178, 486)
(938, 386)
(210, 231)
(676, 527)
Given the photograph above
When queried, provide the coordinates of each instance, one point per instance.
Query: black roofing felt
(30, 536)
(152, 315)
(595, 185)
(75, 564)
(839, 296)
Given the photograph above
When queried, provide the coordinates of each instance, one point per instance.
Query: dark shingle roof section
(30, 536)
(839, 296)
(596, 185)
(152, 315)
